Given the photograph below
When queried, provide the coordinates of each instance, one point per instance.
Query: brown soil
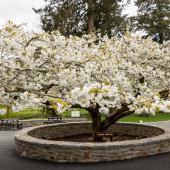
(88, 138)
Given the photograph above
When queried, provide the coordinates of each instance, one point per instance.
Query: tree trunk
(90, 22)
(161, 38)
(8, 110)
(112, 119)
(96, 122)
(100, 126)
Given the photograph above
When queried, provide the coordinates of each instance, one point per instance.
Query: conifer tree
(154, 18)
(75, 17)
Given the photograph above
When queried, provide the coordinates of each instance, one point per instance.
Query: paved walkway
(10, 161)
(165, 124)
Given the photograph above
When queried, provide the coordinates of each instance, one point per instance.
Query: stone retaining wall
(29, 143)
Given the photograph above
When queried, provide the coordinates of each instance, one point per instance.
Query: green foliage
(97, 90)
(153, 18)
(26, 114)
(38, 113)
(70, 17)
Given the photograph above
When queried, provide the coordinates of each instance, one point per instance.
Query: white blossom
(3, 111)
(35, 67)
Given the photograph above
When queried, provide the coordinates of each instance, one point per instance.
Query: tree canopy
(153, 18)
(72, 17)
(110, 76)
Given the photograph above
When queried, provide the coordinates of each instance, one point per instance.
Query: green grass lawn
(26, 114)
(39, 114)
(136, 118)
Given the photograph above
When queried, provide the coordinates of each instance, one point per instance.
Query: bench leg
(6, 126)
(111, 138)
(19, 126)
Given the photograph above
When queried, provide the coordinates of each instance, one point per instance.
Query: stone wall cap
(23, 136)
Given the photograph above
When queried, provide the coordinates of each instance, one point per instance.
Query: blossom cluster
(87, 70)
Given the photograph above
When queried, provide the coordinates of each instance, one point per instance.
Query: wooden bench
(3, 123)
(56, 119)
(11, 124)
(106, 134)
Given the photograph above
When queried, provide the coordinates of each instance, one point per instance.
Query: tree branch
(124, 111)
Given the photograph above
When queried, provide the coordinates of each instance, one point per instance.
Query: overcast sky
(20, 11)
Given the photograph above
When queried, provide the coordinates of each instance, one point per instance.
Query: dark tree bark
(90, 22)
(164, 94)
(113, 119)
(100, 126)
(96, 122)
(161, 38)
(8, 110)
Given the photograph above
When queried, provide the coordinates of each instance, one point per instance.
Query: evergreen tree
(76, 17)
(153, 18)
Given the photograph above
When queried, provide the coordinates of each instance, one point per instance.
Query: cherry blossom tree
(114, 77)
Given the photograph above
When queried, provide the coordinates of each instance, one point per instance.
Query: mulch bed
(88, 138)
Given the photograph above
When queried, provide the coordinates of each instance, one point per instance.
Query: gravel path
(10, 161)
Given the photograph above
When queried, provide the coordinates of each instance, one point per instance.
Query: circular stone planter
(30, 143)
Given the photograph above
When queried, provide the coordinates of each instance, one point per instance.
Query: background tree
(83, 16)
(153, 18)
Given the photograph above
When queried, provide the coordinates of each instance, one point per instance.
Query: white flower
(59, 106)
(3, 111)
(153, 110)
(165, 107)
(106, 73)
(17, 108)
(104, 110)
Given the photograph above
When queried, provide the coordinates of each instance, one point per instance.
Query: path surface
(165, 124)
(10, 161)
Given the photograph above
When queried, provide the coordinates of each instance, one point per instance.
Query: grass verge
(39, 114)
